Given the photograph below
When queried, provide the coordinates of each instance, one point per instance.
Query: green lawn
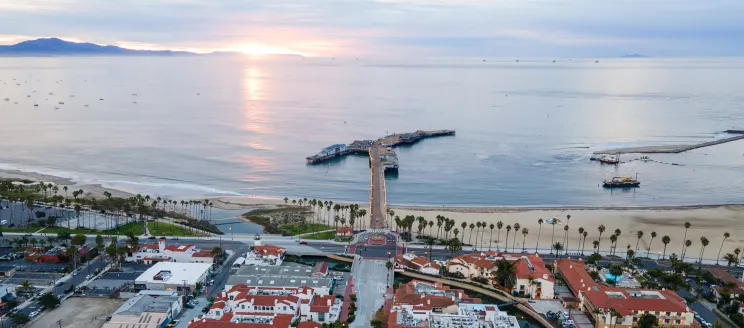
(16, 229)
(167, 229)
(84, 231)
(137, 227)
(296, 229)
(320, 236)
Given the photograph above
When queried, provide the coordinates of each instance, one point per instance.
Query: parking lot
(36, 279)
(79, 312)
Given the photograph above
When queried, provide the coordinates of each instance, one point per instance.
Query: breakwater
(672, 149)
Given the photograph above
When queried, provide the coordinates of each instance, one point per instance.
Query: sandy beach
(710, 221)
(89, 190)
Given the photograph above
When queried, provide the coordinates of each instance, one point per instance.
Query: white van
(4, 222)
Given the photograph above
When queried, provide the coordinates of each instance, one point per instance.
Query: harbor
(672, 149)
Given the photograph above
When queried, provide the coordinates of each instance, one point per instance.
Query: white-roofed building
(173, 276)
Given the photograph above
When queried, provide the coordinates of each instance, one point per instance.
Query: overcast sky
(394, 28)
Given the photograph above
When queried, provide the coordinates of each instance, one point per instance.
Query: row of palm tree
(445, 224)
(115, 211)
(322, 210)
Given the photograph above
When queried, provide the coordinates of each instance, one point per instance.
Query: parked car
(205, 309)
(303, 243)
(151, 237)
(175, 238)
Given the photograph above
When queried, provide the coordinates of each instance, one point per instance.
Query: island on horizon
(59, 47)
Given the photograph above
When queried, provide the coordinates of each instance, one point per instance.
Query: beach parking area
(79, 312)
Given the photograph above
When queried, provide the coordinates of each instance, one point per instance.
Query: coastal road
(378, 205)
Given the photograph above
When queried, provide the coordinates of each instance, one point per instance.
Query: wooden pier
(672, 149)
(382, 159)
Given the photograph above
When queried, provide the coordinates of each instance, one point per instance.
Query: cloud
(393, 27)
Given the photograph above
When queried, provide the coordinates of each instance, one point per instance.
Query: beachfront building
(160, 252)
(426, 304)
(265, 255)
(533, 278)
(597, 300)
(241, 304)
(323, 309)
(173, 276)
(417, 263)
(332, 150)
(471, 265)
(148, 309)
(726, 283)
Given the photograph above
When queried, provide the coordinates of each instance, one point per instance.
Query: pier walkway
(377, 194)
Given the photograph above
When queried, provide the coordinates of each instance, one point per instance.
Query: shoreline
(710, 220)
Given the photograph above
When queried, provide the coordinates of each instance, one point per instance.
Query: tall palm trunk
(539, 230)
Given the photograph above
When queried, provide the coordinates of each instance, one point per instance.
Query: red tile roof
(724, 276)
(539, 271)
(280, 321)
(575, 275)
(179, 248)
(668, 302)
(203, 253)
(269, 250)
(322, 304)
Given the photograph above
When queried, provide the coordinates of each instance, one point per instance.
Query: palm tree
(464, 226)
(539, 230)
(648, 250)
(431, 224)
(595, 243)
(726, 235)
(731, 258)
(440, 221)
(584, 243)
(499, 225)
(687, 226)
(552, 238)
(456, 231)
(616, 271)
(601, 230)
(478, 226)
(565, 239)
(614, 246)
(665, 240)
(506, 247)
(581, 233)
(639, 234)
(687, 244)
(516, 231)
(704, 241)
(558, 247)
(472, 226)
(613, 243)
(524, 236)
(736, 252)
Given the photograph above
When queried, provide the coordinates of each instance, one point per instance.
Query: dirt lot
(79, 312)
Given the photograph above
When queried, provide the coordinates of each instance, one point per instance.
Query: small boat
(7, 99)
(609, 160)
(36, 105)
(621, 182)
(100, 99)
(61, 103)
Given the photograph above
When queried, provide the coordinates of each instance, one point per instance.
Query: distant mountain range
(634, 56)
(59, 47)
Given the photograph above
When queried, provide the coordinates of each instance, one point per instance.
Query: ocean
(197, 127)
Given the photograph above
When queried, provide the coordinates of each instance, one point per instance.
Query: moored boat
(621, 182)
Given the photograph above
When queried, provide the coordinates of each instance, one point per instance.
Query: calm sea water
(525, 131)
